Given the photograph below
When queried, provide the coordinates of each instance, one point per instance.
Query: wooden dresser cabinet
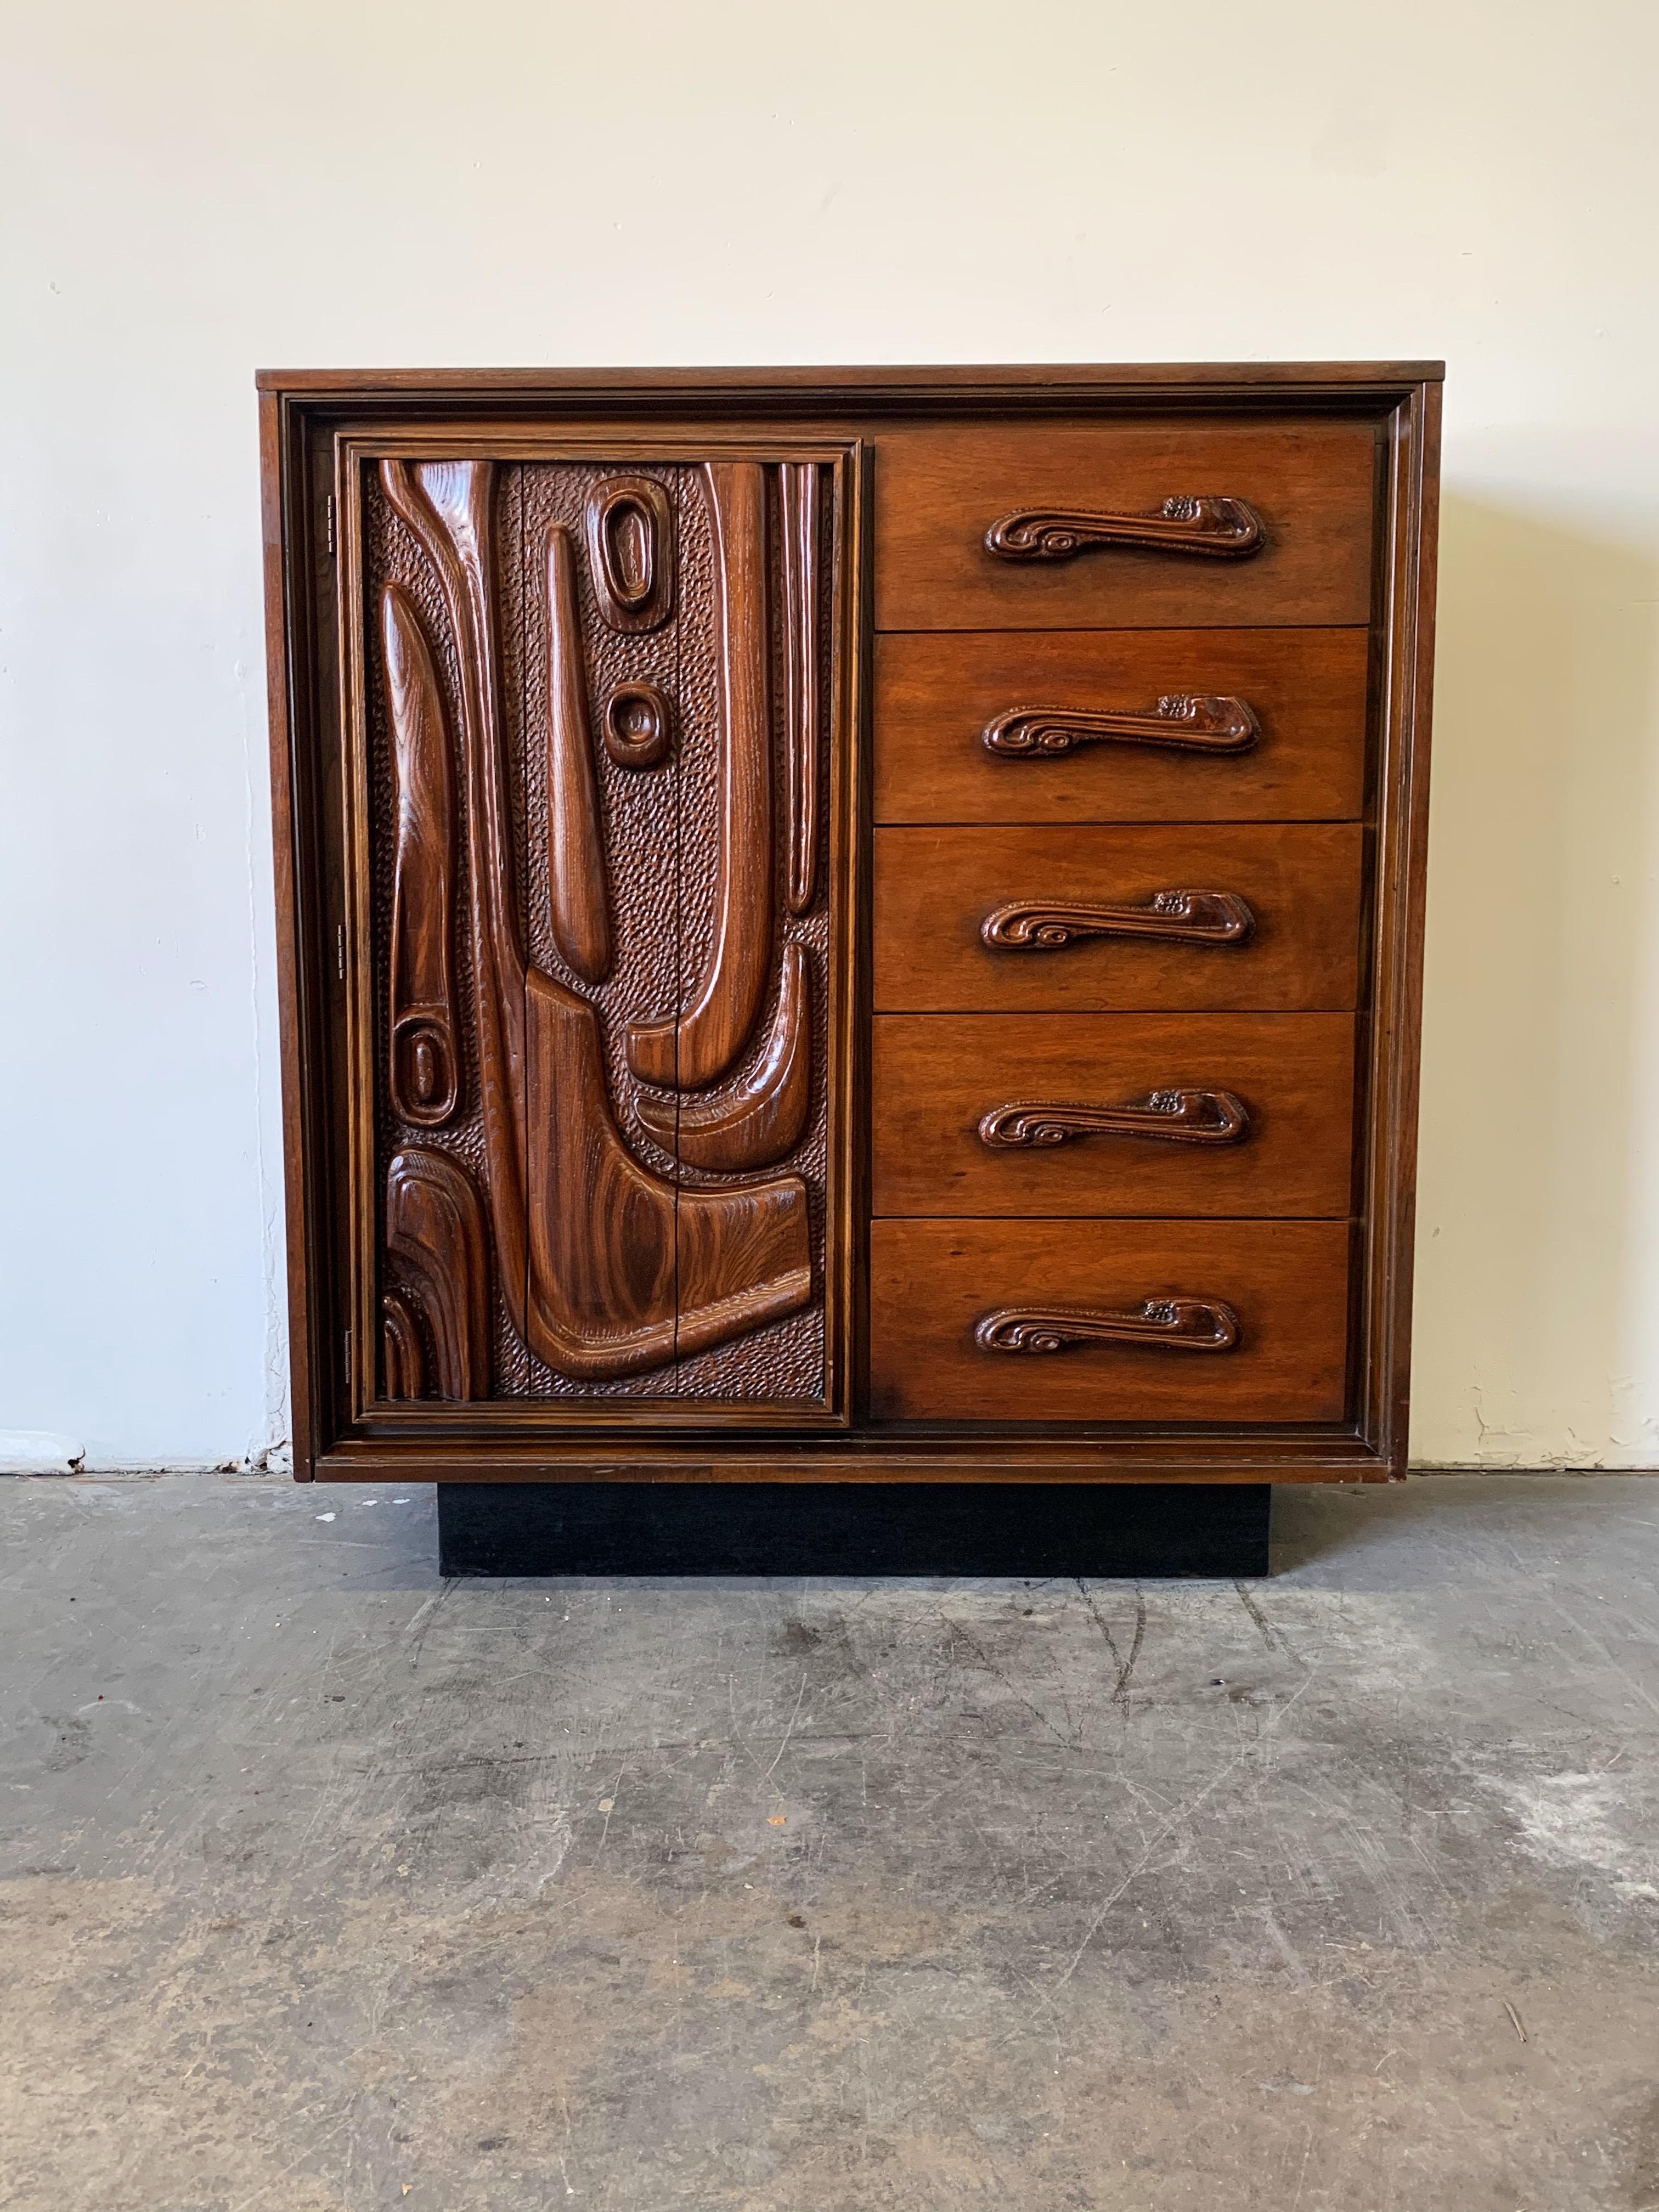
(851, 924)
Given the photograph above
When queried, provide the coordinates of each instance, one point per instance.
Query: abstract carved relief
(435, 1224)
(631, 543)
(695, 1048)
(631, 1198)
(425, 1070)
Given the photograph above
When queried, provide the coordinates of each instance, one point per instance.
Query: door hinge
(339, 952)
(328, 513)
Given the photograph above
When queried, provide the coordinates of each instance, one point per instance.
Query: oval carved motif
(631, 551)
(638, 723)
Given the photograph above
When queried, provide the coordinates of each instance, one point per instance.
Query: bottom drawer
(1108, 1320)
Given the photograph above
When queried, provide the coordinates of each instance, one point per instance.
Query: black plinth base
(1104, 1529)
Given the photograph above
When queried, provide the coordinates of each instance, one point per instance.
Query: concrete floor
(327, 1887)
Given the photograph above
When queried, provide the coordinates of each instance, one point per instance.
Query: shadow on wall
(1534, 1253)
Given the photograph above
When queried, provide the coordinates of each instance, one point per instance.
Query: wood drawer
(933, 1283)
(939, 489)
(1277, 734)
(1265, 1126)
(1292, 892)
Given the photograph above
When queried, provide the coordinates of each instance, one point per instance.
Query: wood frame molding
(317, 429)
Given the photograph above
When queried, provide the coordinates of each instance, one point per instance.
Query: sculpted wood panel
(614, 1271)
(1122, 1306)
(426, 1069)
(1053, 1113)
(1275, 926)
(435, 1225)
(404, 1358)
(1034, 726)
(762, 1117)
(699, 1046)
(575, 845)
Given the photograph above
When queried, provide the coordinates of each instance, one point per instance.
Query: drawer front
(1113, 1114)
(1100, 920)
(1121, 725)
(1153, 1321)
(1283, 534)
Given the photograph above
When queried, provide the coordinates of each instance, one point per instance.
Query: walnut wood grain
(1173, 1117)
(1172, 1324)
(1171, 917)
(606, 1270)
(939, 697)
(425, 1074)
(403, 1357)
(1311, 483)
(576, 842)
(933, 1283)
(797, 483)
(935, 1079)
(435, 1224)
(935, 887)
(1204, 722)
(639, 725)
(1207, 524)
(630, 552)
(698, 1049)
(762, 1117)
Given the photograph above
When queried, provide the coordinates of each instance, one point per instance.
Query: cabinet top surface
(863, 383)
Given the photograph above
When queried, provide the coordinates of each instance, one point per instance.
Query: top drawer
(1311, 485)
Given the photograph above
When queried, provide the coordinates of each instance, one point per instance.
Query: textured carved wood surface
(760, 1118)
(938, 491)
(935, 887)
(697, 1047)
(936, 1075)
(578, 885)
(598, 899)
(936, 696)
(932, 1282)
(435, 1225)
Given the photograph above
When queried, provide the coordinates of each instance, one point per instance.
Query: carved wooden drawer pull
(1208, 524)
(1178, 1117)
(1176, 1324)
(1201, 722)
(1176, 917)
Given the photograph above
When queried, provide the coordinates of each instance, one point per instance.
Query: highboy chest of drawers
(851, 925)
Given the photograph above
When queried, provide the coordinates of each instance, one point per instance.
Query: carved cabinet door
(598, 801)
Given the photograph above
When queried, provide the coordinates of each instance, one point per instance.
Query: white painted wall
(193, 190)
